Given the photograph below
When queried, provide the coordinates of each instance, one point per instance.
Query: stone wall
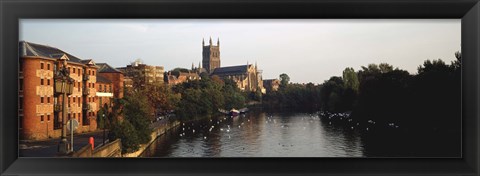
(112, 149)
(158, 131)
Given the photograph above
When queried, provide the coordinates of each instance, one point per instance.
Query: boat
(243, 110)
(234, 112)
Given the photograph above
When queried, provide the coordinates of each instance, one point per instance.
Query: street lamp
(63, 86)
(104, 123)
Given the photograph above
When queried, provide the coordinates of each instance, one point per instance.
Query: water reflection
(258, 134)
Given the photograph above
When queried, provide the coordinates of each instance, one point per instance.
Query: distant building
(113, 75)
(271, 84)
(211, 56)
(139, 74)
(248, 77)
(104, 93)
(178, 76)
(40, 108)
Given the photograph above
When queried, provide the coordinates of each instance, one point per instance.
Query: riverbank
(156, 132)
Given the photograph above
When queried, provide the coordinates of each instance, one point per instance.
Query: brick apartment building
(110, 86)
(138, 74)
(39, 107)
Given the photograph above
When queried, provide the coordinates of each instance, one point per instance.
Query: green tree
(331, 93)
(128, 134)
(284, 80)
(134, 129)
(351, 79)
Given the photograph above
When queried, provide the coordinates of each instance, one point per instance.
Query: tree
(385, 68)
(284, 79)
(351, 79)
(331, 93)
(134, 129)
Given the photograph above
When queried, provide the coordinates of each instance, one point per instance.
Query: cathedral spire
(218, 41)
(210, 40)
(192, 66)
(203, 41)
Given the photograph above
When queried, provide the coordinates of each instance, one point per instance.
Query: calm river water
(259, 134)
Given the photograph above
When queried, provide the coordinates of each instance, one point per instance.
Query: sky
(308, 50)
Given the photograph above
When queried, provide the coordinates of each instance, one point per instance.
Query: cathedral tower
(211, 55)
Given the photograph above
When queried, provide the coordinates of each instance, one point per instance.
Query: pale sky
(309, 50)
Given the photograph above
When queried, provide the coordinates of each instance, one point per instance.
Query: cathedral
(248, 77)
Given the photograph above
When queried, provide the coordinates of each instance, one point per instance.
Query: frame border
(11, 11)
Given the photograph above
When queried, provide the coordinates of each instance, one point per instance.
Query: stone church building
(248, 77)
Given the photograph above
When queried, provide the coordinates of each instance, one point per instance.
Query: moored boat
(234, 112)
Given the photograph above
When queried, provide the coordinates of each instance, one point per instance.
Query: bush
(128, 134)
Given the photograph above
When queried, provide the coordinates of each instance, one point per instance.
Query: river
(258, 134)
(291, 134)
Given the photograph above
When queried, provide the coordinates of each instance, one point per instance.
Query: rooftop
(33, 49)
(105, 68)
(231, 69)
(101, 79)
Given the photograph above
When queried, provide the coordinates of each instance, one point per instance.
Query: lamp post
(104, 123)
(63, 86)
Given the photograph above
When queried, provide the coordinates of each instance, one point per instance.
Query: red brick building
(104, 93)
(39, 108)
(115, 76)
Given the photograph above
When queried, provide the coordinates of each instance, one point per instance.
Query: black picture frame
(466, 10)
